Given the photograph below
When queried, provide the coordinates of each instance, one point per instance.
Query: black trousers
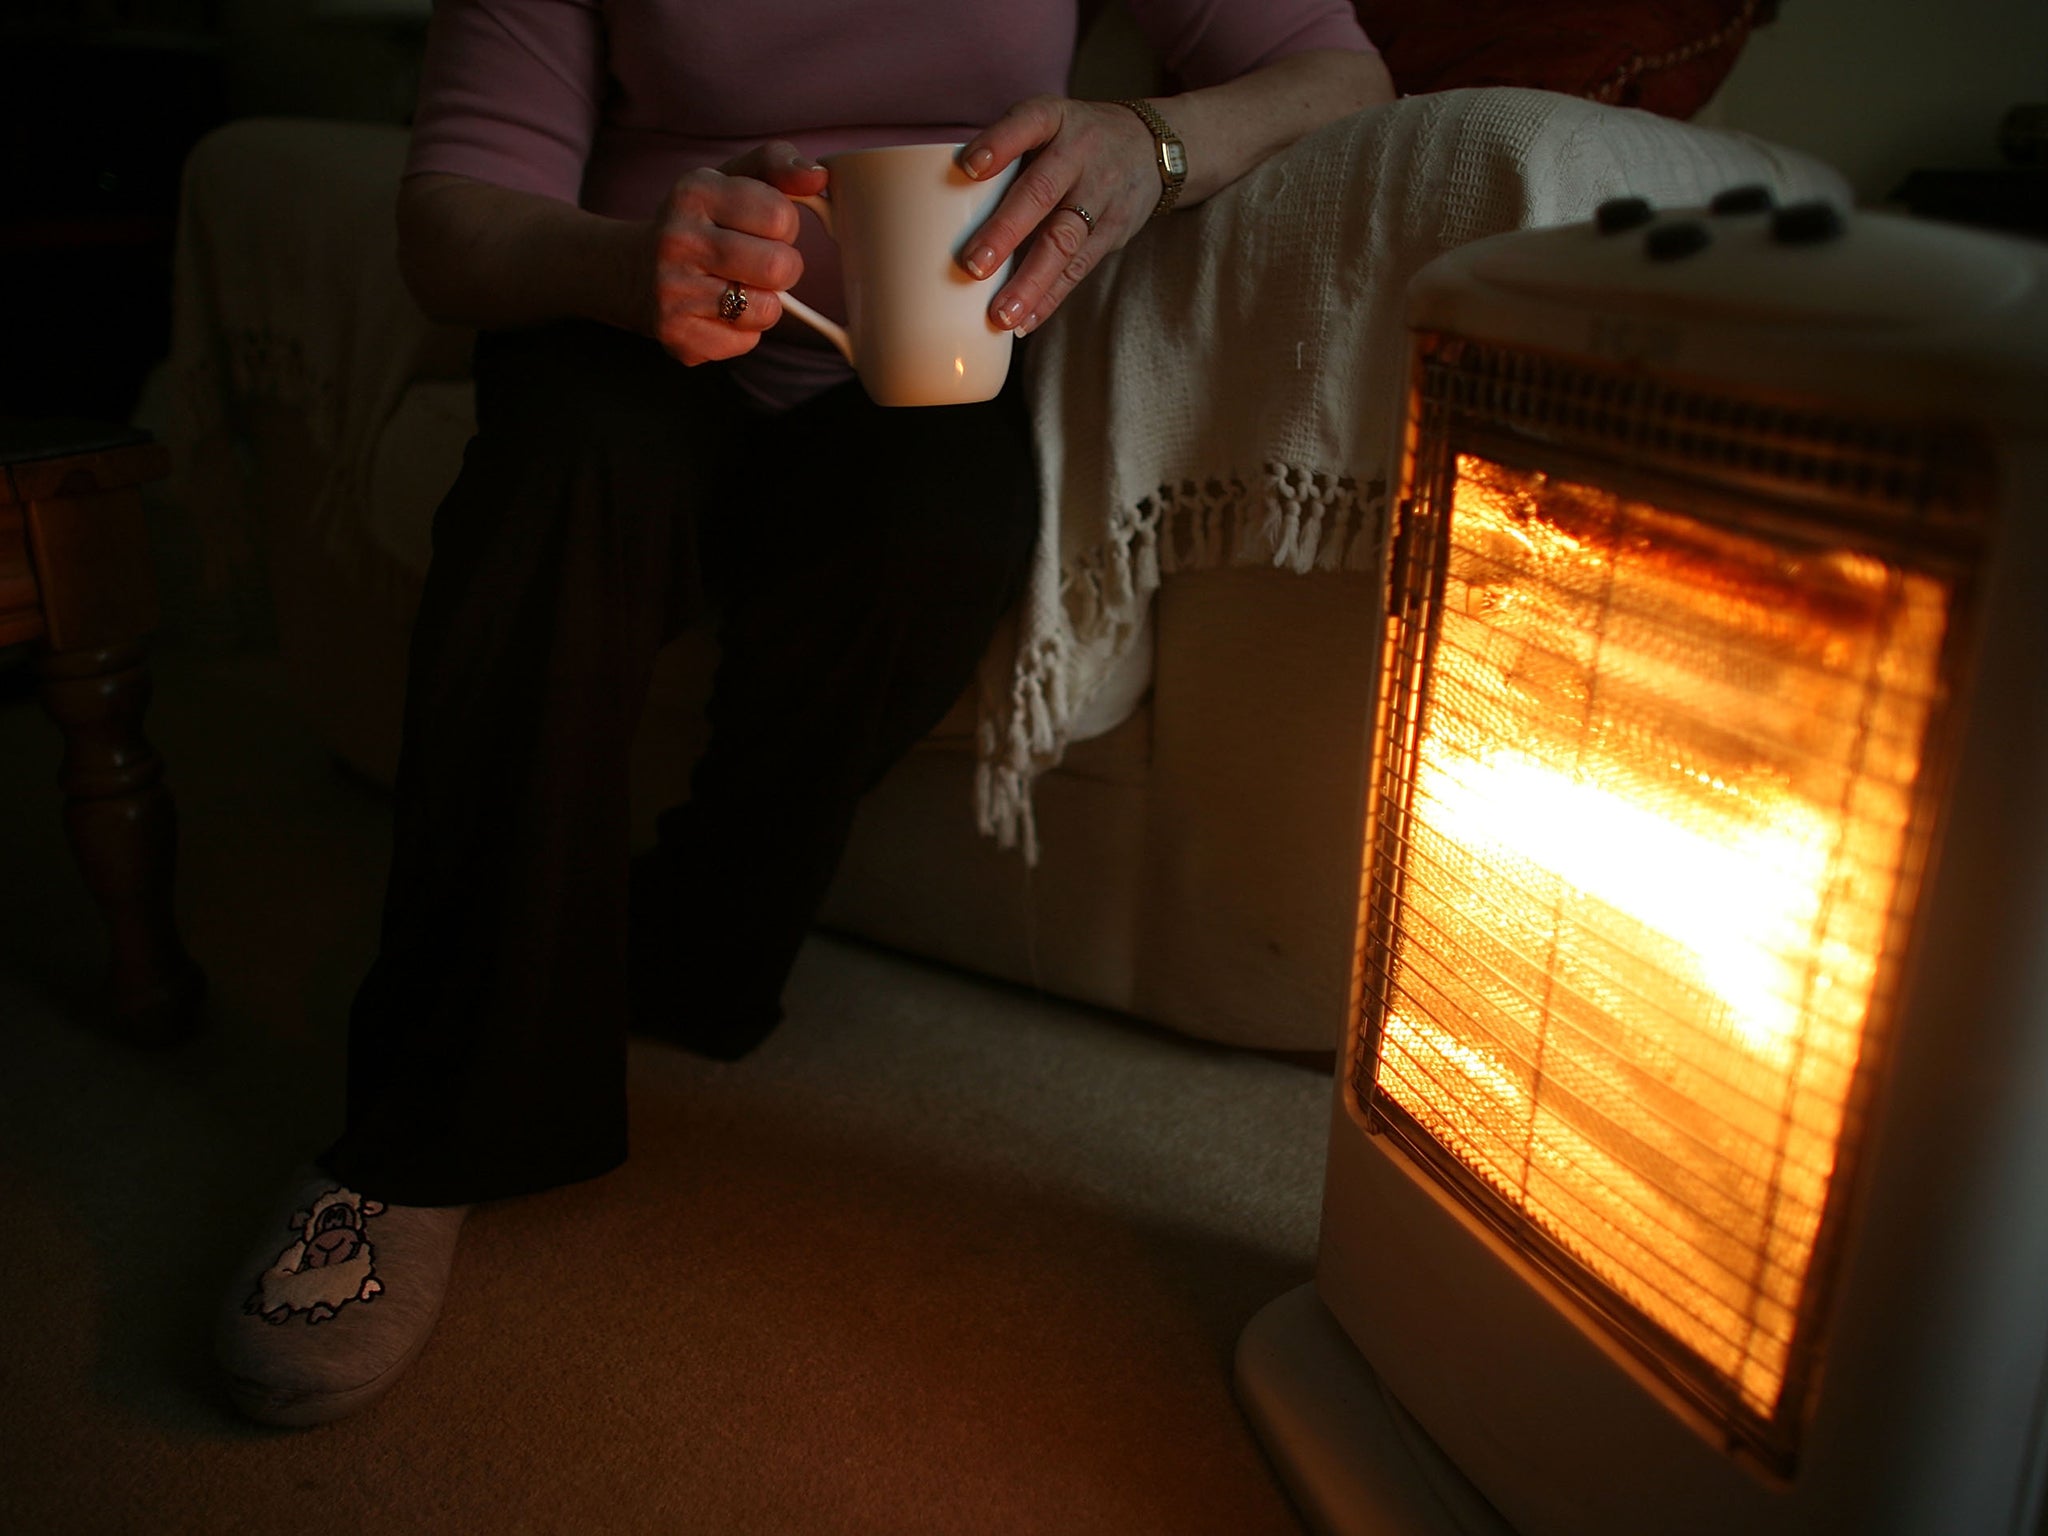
(858, 559)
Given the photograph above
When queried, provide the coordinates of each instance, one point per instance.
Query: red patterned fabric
(1666, 56)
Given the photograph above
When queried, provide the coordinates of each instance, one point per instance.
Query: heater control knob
(1623, 213)
(1753, 198)
(1671, 242)
(1812, 223)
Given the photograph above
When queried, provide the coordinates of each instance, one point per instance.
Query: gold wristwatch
(1173, 155)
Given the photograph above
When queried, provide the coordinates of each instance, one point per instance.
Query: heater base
(1355, 1463)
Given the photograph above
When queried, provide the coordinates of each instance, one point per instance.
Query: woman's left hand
(1091, 155)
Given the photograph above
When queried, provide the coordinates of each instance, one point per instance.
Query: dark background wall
(1880, 88)
(104, 99)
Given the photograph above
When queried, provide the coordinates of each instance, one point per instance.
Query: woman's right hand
(734, 226)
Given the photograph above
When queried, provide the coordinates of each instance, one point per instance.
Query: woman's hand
(1090, 155)
(734, 227)
(1100, 156)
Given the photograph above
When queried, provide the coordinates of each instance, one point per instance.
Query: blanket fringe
(1320, 522)
(1309, 520)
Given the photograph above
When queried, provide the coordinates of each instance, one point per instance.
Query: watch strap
(1163, 135)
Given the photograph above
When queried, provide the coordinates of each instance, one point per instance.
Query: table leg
(124, 834)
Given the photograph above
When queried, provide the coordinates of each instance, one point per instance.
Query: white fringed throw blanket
(1226, 389)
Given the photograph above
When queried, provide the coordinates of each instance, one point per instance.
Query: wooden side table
(75, 579)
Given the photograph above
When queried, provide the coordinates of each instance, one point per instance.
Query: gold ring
(732, 303)
(1086, 217)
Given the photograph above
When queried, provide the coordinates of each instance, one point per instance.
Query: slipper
(335, 1302)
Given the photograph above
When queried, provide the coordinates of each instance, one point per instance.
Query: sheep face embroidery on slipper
(329, 1264)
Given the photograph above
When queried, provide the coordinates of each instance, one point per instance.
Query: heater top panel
(1803, 265)
(1868, 311)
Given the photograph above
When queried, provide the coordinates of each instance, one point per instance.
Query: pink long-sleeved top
(604, 103)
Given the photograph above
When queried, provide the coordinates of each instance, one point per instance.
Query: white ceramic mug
(918, 330)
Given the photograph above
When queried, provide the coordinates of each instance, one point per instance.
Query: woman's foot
(336, 1301)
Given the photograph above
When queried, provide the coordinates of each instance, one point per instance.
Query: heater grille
(1646, 829)
(1909, 472)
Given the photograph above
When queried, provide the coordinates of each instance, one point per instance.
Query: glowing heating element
(1642, 839)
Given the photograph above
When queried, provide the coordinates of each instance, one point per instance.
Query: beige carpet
(943, 1256)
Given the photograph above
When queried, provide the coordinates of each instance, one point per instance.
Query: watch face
(1176, 158)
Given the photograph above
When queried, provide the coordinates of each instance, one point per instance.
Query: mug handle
(831, 330)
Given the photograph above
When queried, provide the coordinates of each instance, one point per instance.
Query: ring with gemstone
(1086, 217)
(733, 302)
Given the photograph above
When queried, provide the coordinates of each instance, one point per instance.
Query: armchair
(1185, 700)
